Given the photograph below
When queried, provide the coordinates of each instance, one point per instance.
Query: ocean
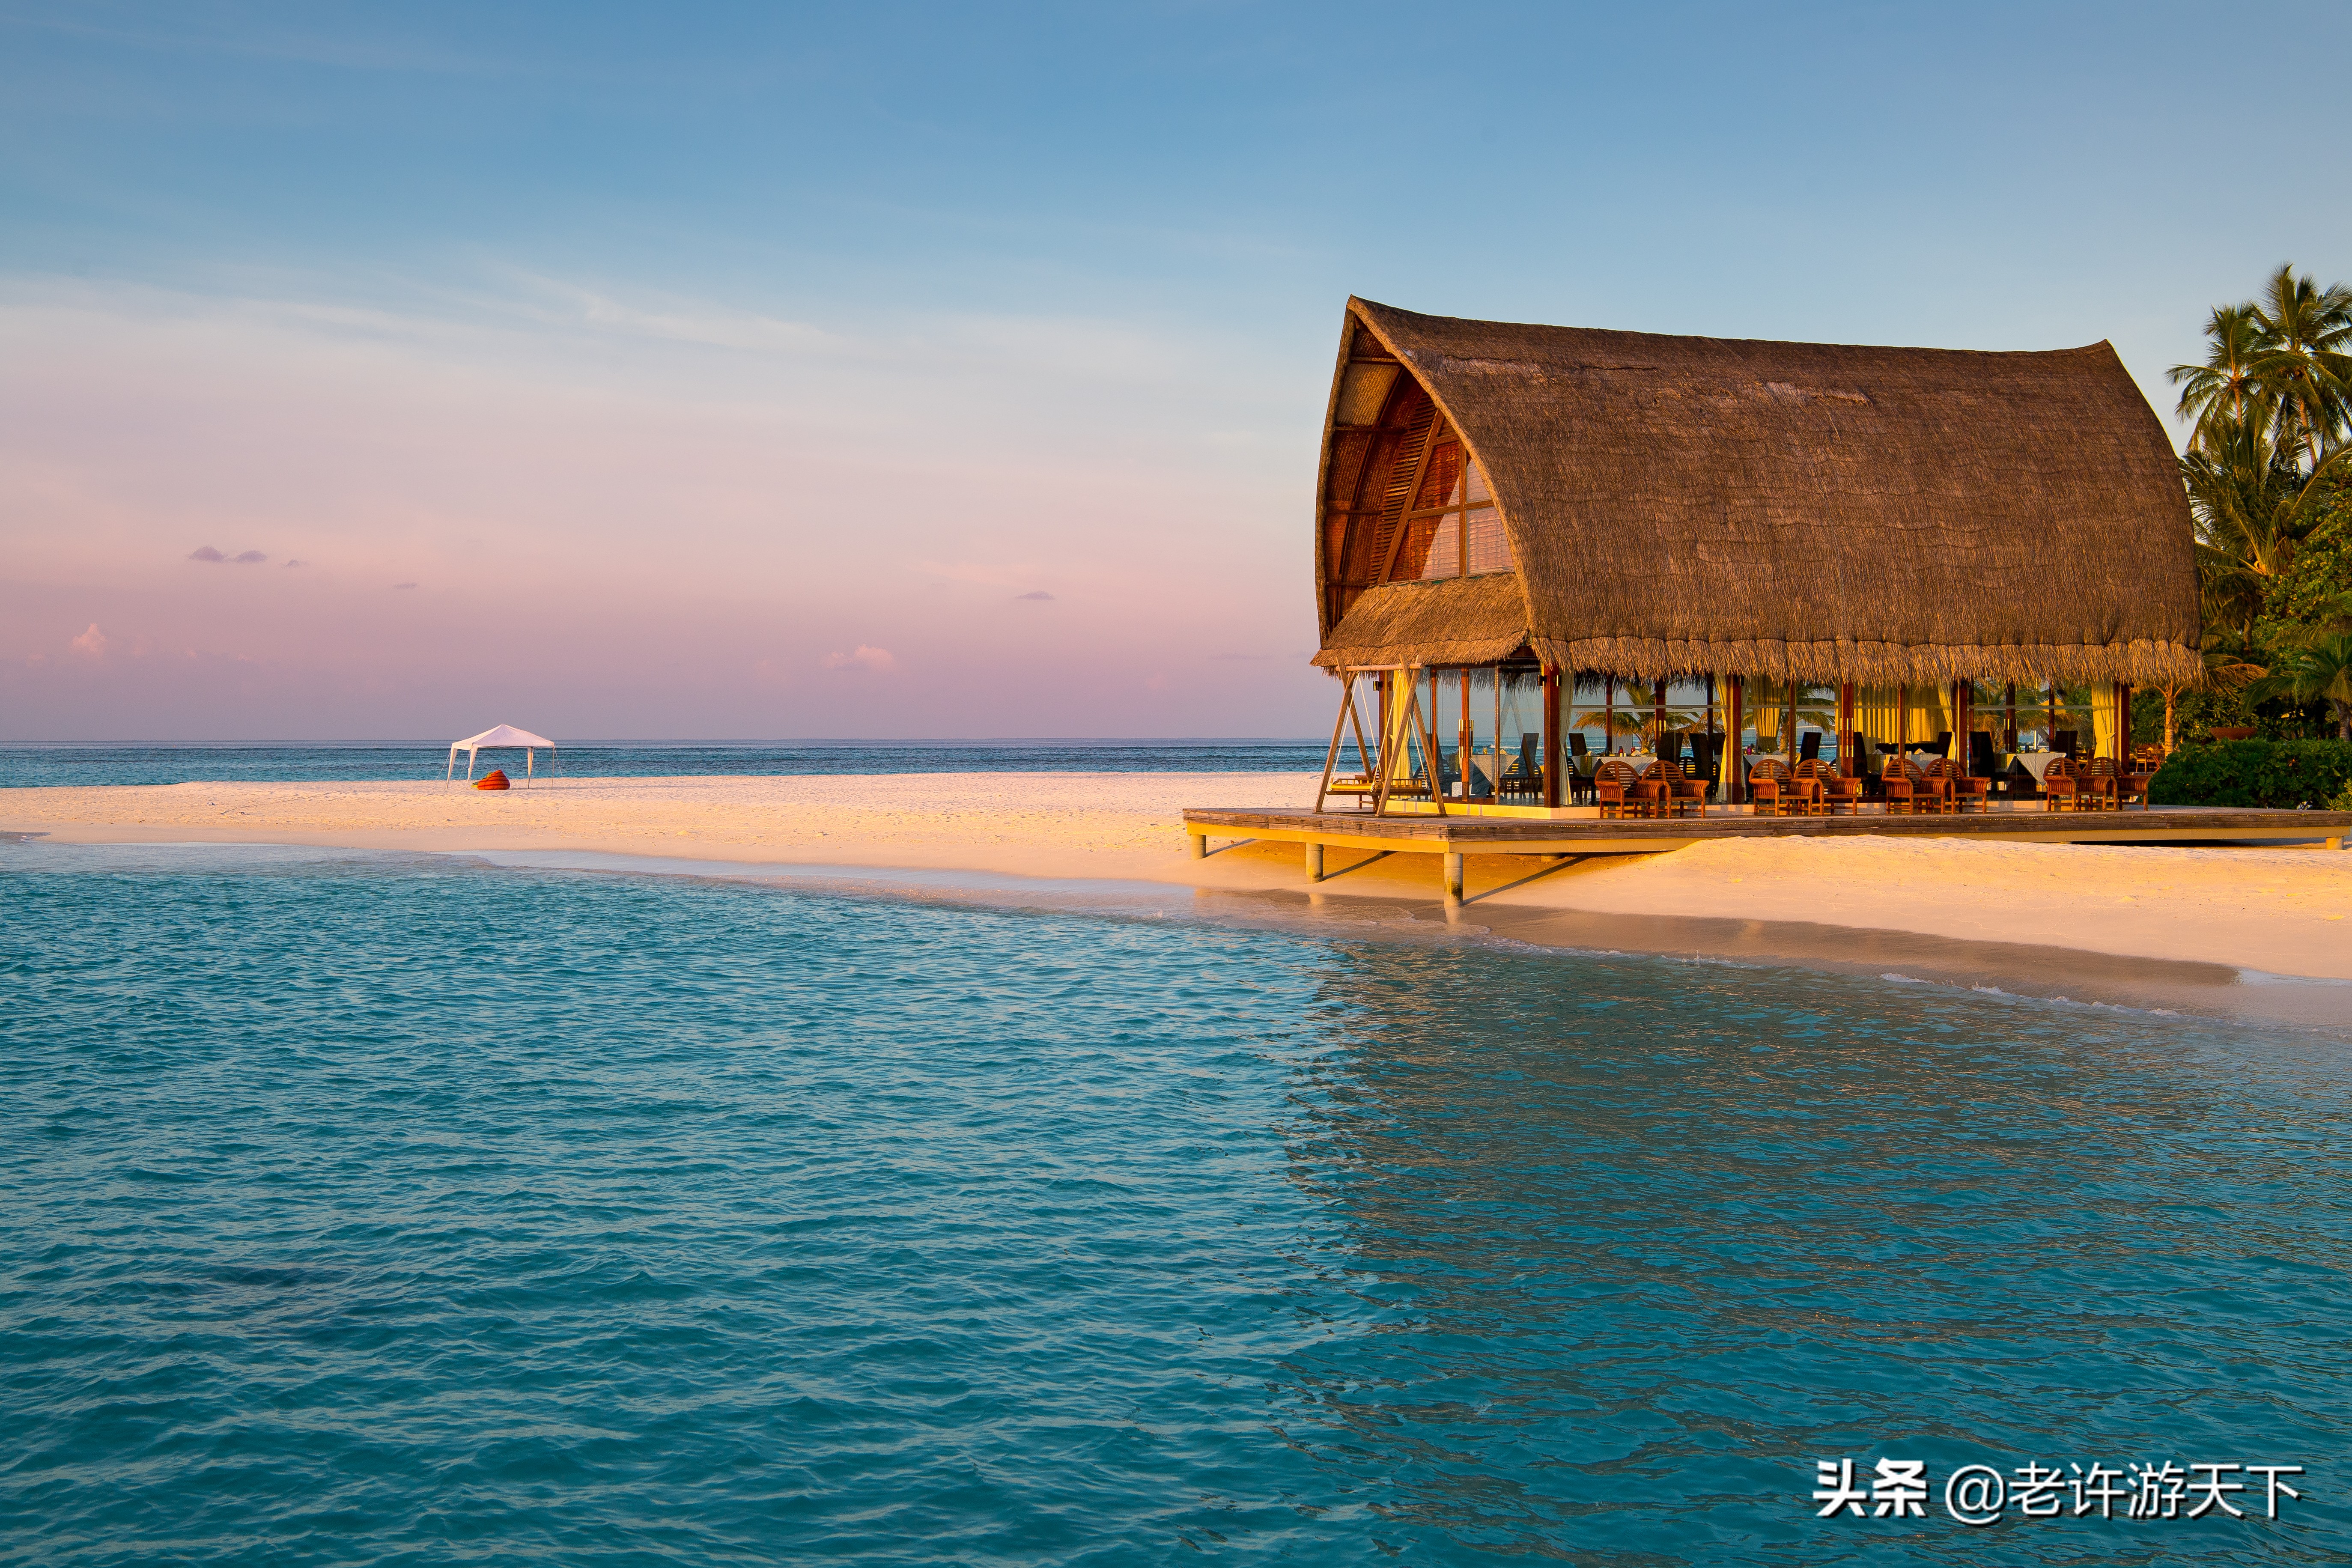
(26, 765)
(371, 1208)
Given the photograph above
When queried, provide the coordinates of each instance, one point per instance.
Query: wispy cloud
(211, 557)
(205, 552)
(404, 584)
(1039, 593)
(91, 644)
(878, 659)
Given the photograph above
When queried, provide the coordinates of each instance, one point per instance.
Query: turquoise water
(376, 1209)
(24, 765)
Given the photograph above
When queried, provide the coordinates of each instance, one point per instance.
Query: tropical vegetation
(2269, 473)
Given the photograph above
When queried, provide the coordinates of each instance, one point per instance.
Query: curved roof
(1829, 512)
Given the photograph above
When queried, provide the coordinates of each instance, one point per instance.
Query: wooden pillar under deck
(1453, 879)
(1849, 746)
(1315, 862)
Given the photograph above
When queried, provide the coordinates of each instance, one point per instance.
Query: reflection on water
(1633, 1244)
(378, 1208)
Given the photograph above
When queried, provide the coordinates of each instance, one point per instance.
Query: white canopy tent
(498, 735)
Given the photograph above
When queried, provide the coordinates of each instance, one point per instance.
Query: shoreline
(1995, 908)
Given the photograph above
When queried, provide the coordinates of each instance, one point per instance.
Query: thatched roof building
(1654, 506)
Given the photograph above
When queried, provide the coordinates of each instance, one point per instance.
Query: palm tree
(2226, 669)
(2302, 362)
(2314, 667)
(2223, 386)
(2254, 502)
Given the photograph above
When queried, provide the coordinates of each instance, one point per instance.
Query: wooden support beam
(1453, 879)
(1200, 846)
(1555, 744)
(1735, 719)
(1315, 862)
(1849, 743)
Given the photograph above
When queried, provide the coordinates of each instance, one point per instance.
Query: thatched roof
(1678, 505)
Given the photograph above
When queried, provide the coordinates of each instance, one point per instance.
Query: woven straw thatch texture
(1460, 620)
(1678, 505)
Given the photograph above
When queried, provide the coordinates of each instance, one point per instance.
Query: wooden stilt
(1453, 879)
(1200, 846)
(1315, 862)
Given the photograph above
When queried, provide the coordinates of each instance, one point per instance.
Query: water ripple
(376, 1209)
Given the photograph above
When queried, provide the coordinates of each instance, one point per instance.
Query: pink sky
(639, 518)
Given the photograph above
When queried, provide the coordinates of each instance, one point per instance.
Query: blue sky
(678, 354)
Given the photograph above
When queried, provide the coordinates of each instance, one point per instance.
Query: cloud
(91, 644)
(878, 659)
(251, 558)
(1040, 593)
(205, 552)
(404, 584)
(211, 557)
(298, 563)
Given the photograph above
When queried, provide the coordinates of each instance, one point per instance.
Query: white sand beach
(2281, 910)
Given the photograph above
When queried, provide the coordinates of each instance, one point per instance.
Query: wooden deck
(1455, 836)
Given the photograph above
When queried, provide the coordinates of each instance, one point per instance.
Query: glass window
(1484, 548)
(1452, 529)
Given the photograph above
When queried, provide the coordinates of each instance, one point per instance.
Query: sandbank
(2285, 911)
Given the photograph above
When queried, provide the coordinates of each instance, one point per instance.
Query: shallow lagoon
(371, 1208)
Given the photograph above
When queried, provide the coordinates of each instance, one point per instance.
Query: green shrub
(2255, 772)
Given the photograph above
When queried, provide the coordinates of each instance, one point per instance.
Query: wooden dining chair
(2102, 784)
(1964, 792)
(1771, 788)
(1832, 791)
(2061, 790)
(1928, 790)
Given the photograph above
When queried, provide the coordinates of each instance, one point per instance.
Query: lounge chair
(1523, 774)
